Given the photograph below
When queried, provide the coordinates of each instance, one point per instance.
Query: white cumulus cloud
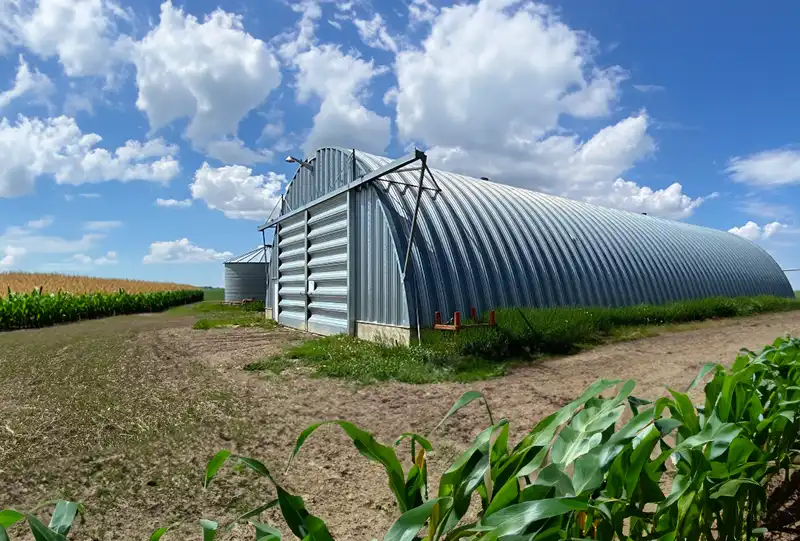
(32, 147)
(11, 255)
(182, 251)
(669, 202)
(233, 151)
(19, 241)
(80, 33)
(752, 231)
(645, 89)
(340, 81)
(237, 192)
(374, 33)
(502, 116)
(769, 168)
(102, 225)
(212, 72)
(180, 203)
(34, 85)
(421, 11)
(110, 258)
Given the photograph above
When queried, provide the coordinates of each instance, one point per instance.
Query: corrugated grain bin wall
(246, 276)
(245, 281)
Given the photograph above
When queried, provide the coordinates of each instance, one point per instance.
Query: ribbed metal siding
(327, 267)
(245, 281)
(333, 168)
(291, 272)
(489, 245)
(381, 297)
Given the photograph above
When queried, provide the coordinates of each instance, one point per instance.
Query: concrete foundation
(386, 334)
(268, 313)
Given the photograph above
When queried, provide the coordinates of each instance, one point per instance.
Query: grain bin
(246, 277)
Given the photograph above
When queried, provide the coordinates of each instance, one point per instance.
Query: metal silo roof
(253, 256)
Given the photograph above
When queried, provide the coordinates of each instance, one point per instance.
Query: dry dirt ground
(123, 414)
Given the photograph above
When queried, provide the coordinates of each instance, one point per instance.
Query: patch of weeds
(205, 307)
(358, 360)
(568, 330)
(275, 364)
(243, 320)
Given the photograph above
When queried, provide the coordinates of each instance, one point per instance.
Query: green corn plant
(37, 309)
(580, 473)
(60, 522)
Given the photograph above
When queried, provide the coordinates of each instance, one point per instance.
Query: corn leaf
(708, 367)
(209, 529)
(466, 398)
(159, 533)
(515, 519)
(370, 448)
(9, 517)
(410, 522)
(265, 532)
(41, 532)
(63, 516)
(214, 465)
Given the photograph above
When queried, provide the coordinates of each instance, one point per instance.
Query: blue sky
(147, 140)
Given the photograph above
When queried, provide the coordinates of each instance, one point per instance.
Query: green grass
(521, 335)
(358, 360)
(251, 319)
(567, 330)
(214, 294)
(214, 314)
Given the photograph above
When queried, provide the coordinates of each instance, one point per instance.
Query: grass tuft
(275, 364)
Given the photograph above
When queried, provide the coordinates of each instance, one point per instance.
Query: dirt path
(159, 480)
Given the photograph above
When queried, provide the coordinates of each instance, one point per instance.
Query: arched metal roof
(253, 256)
(490, 245)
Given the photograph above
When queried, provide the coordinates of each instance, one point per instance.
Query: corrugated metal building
(246, 276)
(344, 264)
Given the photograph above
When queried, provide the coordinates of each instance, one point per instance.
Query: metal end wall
(489, 245)
(333, 168)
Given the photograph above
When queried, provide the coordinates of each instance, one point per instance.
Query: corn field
(53, 283)
(37, 309)
(579, 475)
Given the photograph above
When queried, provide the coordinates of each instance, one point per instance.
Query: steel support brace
(392, 167)
(408, 249)
(414, 219)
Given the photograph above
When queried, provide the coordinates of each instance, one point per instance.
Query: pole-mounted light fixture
(301, 163)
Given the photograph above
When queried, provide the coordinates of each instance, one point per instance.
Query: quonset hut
(373, 247)
(246, 276)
